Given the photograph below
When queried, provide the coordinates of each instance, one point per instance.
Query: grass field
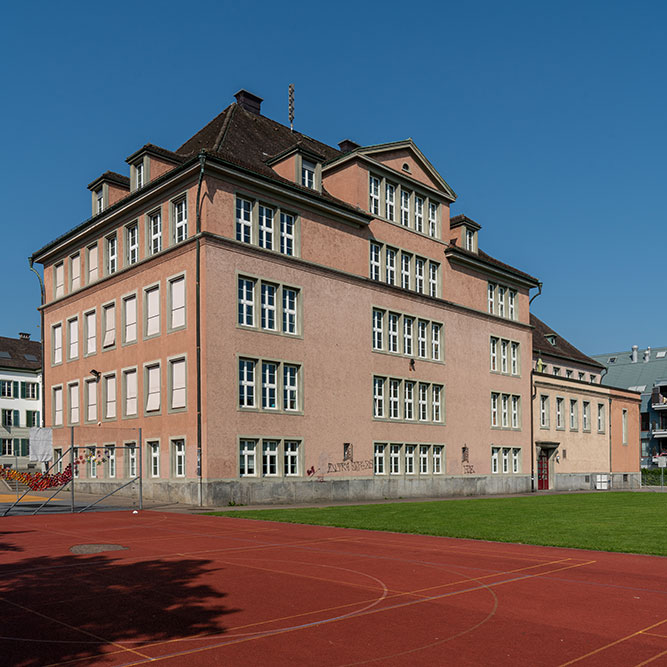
(627, 522)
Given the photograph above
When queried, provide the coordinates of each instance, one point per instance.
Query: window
(243, 220)
(394, 459)
(405, 208)
(289, 310)
(266, 216)
(410, 459)
(514, 358)
(154, 458)
(177, 377)
(57, 338)
(511, 303)
(152, 309)
(506, 460)
(515, 411)
(112, 254)
(109, 387)
(111, 460)
(90, 326)
(423, 459)
(378, 329)
(10, 418)
(246, 302)
(492, 298)
(495, 454)
(132, 243)
(269, 385)
(494, 353)
(91, 401)
(130, 319)
(270, 458)
(556, 370)
(268, 314)
(494, 409)
(155, 232)
(180, 217)
(433, 269)
(559, 413)
(390, 192)
(130, 386)
(422, 336)
(419, 214)
(419, 275)
(574, 415)
(501, 301)
(406, 270)
(246, 383)
(374, 195)
(435, 341)
(394, 396)
(247, 458)
(624, 425)
(586, 416)
(179, 457)
(504, 411)
(391, 266)
(470, 240)
(99, 200)
(516, 460)
(109, 320)
(378, 397)
(378, 459)
(544, 411)
(436, 413)
(73, 338)
(407, 335)
(131, 450)
(601, 418)
(291, 458)
(393, 332)
(139, 174)
(423, 402)
(286, 234)
(59, 280)
(6, 389)
(308, 174)
(375, 262)
(92, 263)
(73, 403)
(153, 388)
(32, 418)
(433, 220)
(176, 303)
(280, 385)
(503, 356)
(437, 459)
(75, 272)
(290, 387)
(409, 400)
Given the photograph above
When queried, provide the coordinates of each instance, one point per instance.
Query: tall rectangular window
(600, 418)
(130, 319)
(132, 243)
(390, 204)
(394, 396)
(492, 298)
(286, 234)
(154, 461)
(423, 459)
(378, 459)
(57, 337)
(92, 263)
(57, 406)
(270, 458)
(246, 302)
(515, 412)
(435, 341)
(75, 271)
(112, 254)
(504, 344)
(269, 385)
(378, 329)
(393, 332)
(624, 426)
(109, 319)
(178, 384)
(291, 457)
(494, 353)
(511, 304)
(394, 459)
(494, 409)
(419, 275)
(407, 335)
(559, 413)
(586, 416)
(374, 195)
(423, 401)
(268, 306)
(422, 338)
(405, 208)
(495, 456)
(152, 303)
(504, 410)
(90, 332)
(378, 397)
(290, 387)
(59, 281)
(437, 459)
(410, 459)
(73, 403)
(111, 460)
(179, 457)
(544, 411)
(73, 338)
(308, 174)
(405, 270)
(91, 401)
(243, 220)
(574, 414)
(436, 403)
(180, 213)
(177, 302)
(289, 310)
(409, 400)
(246, 383)
(501, 301)
(433, 279)
(153, 388)
(247, 458)
(433, 220)
(266, 216)
(515, 358)
(419, 214)
(375, 261)
(139, 174)
(155, 232)
(130, 382)
(391, 266)
(110, 397)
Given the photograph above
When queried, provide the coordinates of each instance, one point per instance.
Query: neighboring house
(287, 321)
(582, 429)
(644, 371)
(20, 397)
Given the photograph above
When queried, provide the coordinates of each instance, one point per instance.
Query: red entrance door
(543, 472)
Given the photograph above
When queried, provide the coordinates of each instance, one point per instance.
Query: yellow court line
(655, 634)
(10, 498)
(655, 657)
(72, 627)
(618, 641)
(356, 616)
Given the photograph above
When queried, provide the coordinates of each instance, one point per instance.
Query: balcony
(658, 399)
(660, 432)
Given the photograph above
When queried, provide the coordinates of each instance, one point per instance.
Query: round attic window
(406, 167)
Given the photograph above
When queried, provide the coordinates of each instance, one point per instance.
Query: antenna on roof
(291, 107)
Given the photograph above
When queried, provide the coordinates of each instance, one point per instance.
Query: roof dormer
(149, 163)
(300, 165)
(109, 188)
(464, 232)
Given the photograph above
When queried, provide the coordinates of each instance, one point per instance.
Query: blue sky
(549, 120)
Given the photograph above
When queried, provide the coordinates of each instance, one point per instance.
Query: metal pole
(71, 440)
(141, 463)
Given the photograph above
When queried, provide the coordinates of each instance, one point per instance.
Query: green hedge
(651, 477)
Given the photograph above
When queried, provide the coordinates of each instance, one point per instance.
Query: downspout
(532, 406)
(41, 329)
(202, 160)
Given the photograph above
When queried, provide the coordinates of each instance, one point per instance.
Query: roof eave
(479, 264)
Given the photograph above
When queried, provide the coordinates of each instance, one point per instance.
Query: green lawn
(628, 522)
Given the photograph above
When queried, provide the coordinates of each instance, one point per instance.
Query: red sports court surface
(197, 590)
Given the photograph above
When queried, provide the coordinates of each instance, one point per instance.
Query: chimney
(24, 336)
(347, 145)
(248, 101)
(647, 354)
(634, 354)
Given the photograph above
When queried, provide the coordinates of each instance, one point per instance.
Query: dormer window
(551, 338)
(308, 174)
(139, 173)
(470, 240)
(99, 200)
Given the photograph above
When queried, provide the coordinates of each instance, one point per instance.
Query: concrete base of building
(602, 481)
(219, 493)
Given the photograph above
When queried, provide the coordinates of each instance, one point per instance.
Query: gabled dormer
(464, 233)
(106, 190)
(149, 163)
(300, 165)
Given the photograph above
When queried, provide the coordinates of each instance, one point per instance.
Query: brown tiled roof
(561, 348)
(20, 354)
(111, 177)
(156, 150)
(453, 249)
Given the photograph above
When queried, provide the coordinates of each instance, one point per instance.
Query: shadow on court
(81, 607)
